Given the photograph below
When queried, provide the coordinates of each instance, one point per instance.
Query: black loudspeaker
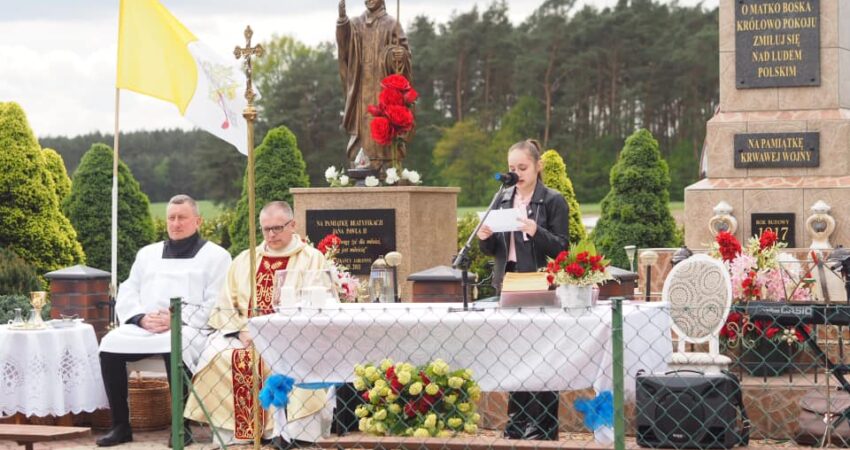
(689, 410)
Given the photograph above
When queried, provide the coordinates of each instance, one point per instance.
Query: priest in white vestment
(184, 266)
(224, 378)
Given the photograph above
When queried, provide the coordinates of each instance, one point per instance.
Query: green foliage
(31, 224)
(214, 229)
(478, 260)
(278, 167)
(8, 303)
(636, 210)
(56, 168)
(463, 158)
(16, 275)
(555, 177)
(89, 206)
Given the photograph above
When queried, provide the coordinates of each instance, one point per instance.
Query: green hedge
(555, 177)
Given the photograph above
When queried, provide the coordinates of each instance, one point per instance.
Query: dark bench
(27, 435)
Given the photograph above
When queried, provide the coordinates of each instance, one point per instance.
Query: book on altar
(527, 289)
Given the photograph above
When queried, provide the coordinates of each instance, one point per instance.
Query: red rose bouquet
(393, 115)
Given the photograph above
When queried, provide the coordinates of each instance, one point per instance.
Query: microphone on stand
(507, 179)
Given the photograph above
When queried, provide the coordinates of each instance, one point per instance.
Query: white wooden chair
(699, 293)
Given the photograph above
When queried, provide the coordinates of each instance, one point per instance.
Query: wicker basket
(150, 406)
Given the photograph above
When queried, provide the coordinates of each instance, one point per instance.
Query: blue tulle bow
(276, 391)
(598, 411)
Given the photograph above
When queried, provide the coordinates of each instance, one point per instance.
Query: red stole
(242, 376)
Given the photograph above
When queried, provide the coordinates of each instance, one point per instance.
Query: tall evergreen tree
(56, 169)
(279, 166)
(636, 211)
(31, 224)
(89, 207)
(555, 177)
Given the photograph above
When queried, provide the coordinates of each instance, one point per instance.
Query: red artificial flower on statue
(767, 239)
(389, 97)
(395, 81)
(400, 117)
(411, 96)
(382, 131)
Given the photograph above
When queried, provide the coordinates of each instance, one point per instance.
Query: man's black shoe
(117, 435)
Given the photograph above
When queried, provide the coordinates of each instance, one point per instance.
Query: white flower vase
(577, 299)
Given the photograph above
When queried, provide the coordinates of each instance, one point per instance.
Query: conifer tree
(89, 206)
(555, 177)
(279, 166)
(31, 223)
(56, 169)
(635, 211)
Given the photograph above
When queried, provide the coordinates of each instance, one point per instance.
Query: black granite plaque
(366, 234)
(781, 223)
(768, 150)
(777, 43)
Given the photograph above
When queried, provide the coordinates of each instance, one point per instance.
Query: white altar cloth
(50, 372)
(507, 349)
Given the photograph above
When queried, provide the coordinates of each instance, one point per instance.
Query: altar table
(50, 372)
(529, 349)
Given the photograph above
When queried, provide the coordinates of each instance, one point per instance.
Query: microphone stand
(462, 260)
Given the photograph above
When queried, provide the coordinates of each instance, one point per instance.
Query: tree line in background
(580, 81)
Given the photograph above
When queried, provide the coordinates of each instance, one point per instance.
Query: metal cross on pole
(250, 115)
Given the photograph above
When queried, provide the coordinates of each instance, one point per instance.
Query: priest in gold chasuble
(224, 378)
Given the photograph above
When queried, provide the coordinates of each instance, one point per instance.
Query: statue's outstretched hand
(341, 9)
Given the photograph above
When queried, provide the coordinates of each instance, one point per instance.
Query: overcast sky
(57, 57)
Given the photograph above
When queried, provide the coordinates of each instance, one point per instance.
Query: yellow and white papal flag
(160, 57)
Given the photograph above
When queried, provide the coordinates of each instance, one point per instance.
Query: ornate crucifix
(248, 52)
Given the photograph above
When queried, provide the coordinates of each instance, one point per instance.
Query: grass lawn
(208, 209)
(587, 209)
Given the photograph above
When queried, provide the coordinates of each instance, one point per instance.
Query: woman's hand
(527, 226)
(484, 233)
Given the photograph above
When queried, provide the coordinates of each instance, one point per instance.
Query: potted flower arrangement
(346, 284)
(574, 272)
(758, 274)
(404, 400)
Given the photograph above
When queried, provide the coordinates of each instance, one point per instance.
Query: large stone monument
(780, 142)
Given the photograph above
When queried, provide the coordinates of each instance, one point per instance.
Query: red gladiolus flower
(400, 117)
(396, 385)
(390, 372)
(396, 81)
(382, 132)
(768, 239)
(365, 395)
(411, 96)
(328, 242)
(550, 279)
(425, 379)
(391, 97)
(729, 245)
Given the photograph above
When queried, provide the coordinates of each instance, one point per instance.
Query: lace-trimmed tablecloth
(50, 372)
(529, 349)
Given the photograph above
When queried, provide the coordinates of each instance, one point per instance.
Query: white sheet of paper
(500, 220)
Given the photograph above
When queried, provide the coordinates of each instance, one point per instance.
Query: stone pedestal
(779, 185)
(425, 222)
(83, 291)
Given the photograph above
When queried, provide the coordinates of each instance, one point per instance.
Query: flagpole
(113, 268)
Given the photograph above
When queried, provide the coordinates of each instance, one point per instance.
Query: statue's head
(374, 5)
